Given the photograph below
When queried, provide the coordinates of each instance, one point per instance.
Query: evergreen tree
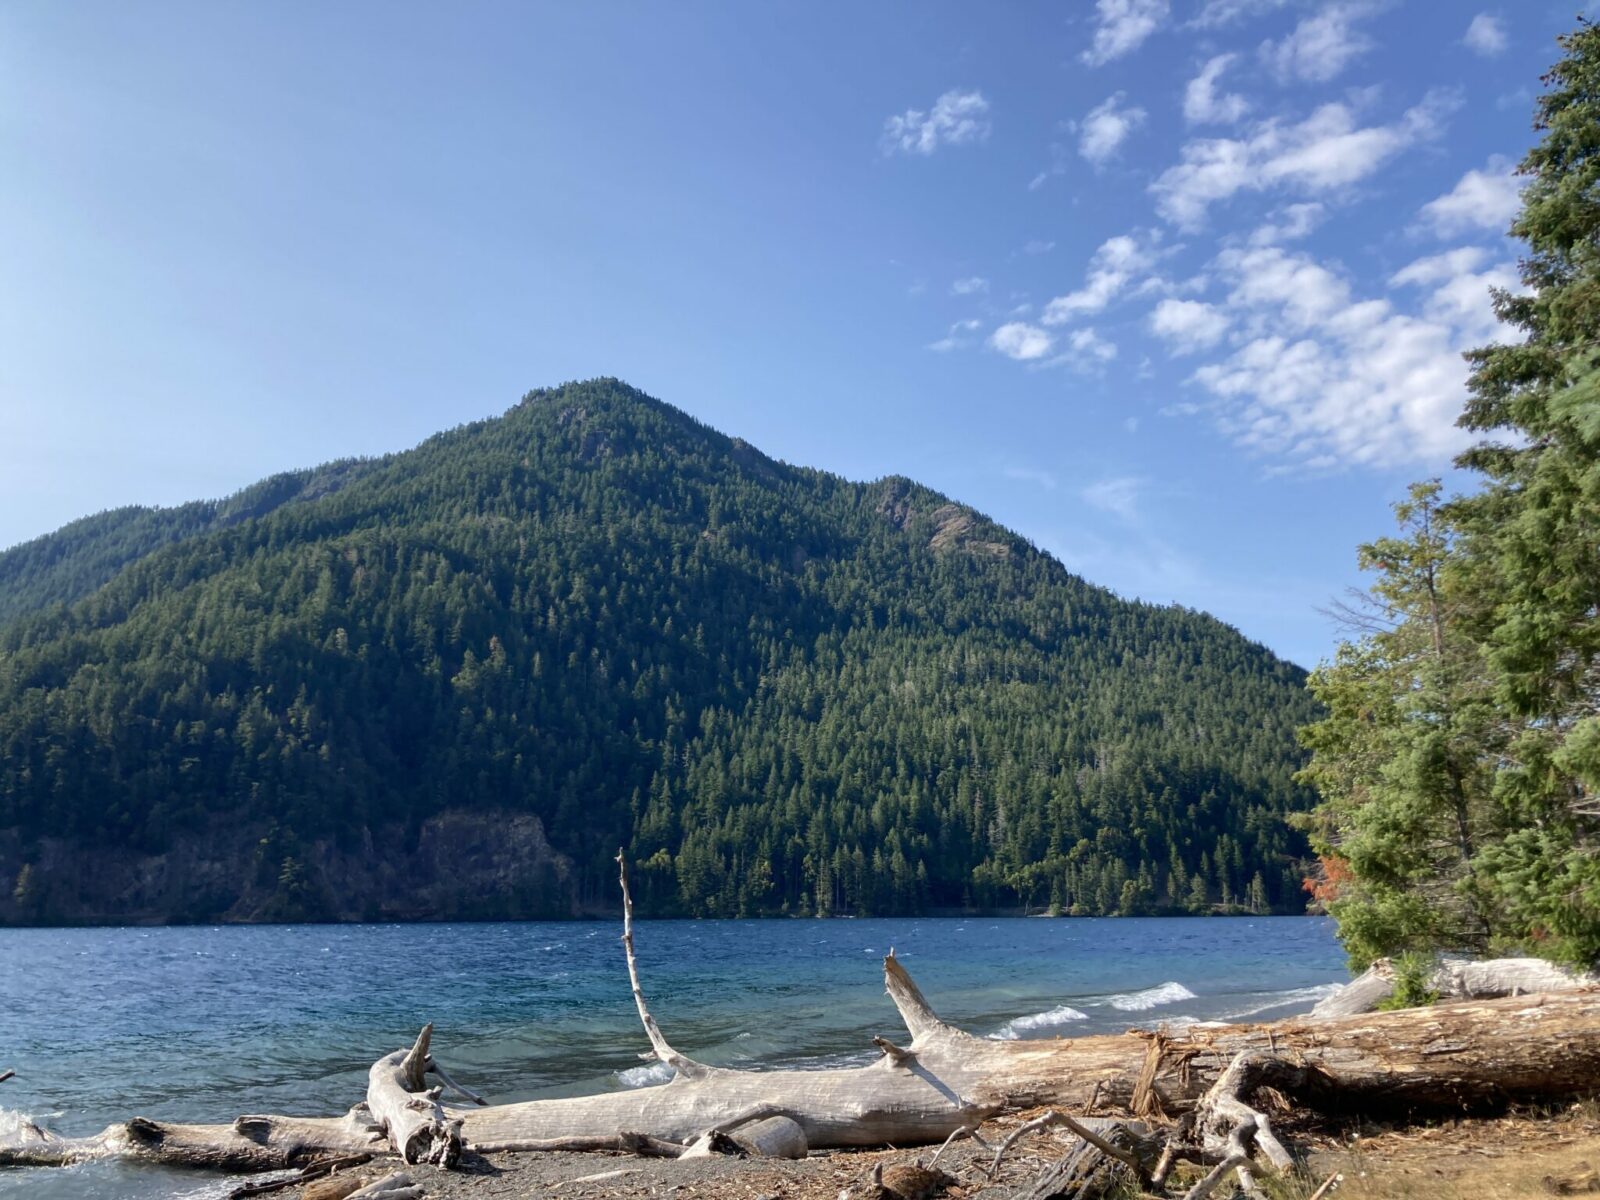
(1459, 763)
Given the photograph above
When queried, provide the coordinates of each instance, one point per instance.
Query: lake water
(201, 1024)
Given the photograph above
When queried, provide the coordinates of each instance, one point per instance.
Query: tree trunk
(1450, 1057)
(1456, 979)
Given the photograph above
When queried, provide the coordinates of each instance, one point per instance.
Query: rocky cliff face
(456, 866)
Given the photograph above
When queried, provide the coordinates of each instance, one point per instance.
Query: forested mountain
(780, 690)
(67, 565)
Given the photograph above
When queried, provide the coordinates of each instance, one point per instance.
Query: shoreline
(600, 918)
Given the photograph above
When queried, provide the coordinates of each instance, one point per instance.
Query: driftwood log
(1453, 1057)
(1456, 979)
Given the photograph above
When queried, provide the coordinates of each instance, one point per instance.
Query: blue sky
(1175, 289)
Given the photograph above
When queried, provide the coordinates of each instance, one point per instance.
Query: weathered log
(398, 1186)
(1456, 979)
(248, 1144)
(409, 1111)
(944, 1081)
(773, 1137)
(1451, 1057)
(312, 1174)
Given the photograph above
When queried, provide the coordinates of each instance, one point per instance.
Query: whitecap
(1031, 1026)
(1304, 996)
(1167, 993)
(14, 1124)
(646, 1076)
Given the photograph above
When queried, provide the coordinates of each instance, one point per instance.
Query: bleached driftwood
(1456, 979)
(1449, 1057)
(409, 1112)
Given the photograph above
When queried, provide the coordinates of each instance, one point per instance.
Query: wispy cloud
(1107, 125)
(1119, 496)
(1203, 104)
(1326, 152)
(1060, 164)
(1486, 35)
(957, 118)
(973, 285)
(1121, 27)
(1085, 350)
(1115, 265)
(1217, 13)
(1288, 224)
(1480, 200)
(1021, 341)
(959, 337)
(1038, 246)
(1320, 46)
(1032, 475)
(1456, 287)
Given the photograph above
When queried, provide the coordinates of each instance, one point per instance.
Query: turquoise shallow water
(206, 1023)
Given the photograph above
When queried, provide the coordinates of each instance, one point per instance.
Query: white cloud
(1119, 496)
(1485, 199)
(958, 338)
(1121, 26)
(1329, 380)
(1060, 162)
(1460, 281)
(1032, 475)
(1021, 341)
(1037, 246)
(1288, 224)
(1486, 35)
(1189, 325)
(1107, 126)
(971, 286)
(1325, 152)
(1113, 267)
(957, 118)
(1320, 47)
(1201, 103)
(1089, 345)
(1217, 13)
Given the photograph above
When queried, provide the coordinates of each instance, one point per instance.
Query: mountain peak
(596, 616)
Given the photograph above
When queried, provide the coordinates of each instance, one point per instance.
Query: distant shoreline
(602, 918)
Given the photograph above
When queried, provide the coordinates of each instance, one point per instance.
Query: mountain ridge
(596, 595)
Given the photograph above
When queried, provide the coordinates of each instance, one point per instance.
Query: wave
(13, 1123)
(1303, 996)
(646, 1076)
(1167, 993)
(1030, 1026)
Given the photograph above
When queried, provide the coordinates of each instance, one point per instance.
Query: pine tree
(1459, 764)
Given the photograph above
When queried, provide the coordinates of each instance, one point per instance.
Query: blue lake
(202, 1024)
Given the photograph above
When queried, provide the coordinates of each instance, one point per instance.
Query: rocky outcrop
(457, 865)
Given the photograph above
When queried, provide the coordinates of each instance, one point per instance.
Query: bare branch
(684, 1066)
